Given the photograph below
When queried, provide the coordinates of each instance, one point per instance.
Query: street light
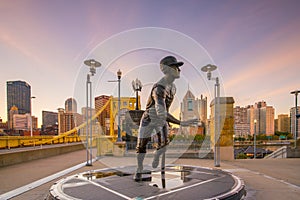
(33, 97)
(92, 64)
(119, 75)
(137, 86)
(255, 121)
(296, 116)
(209, 68)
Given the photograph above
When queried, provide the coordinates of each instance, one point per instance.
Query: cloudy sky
(254, 43)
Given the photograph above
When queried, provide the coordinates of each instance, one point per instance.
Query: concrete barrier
(293, 153)
(11, 158)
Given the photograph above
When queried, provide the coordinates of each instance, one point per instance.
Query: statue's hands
(189, 122)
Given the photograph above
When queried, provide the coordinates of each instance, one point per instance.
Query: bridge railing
(69, 136)
(7, 142)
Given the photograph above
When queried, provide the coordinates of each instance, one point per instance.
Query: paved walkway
(264, 179)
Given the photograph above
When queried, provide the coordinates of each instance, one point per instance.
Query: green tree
(275, 137)
(241, 156)
(249, 137)
(290, 136)
(279, 133)
(261, 137)
(199, 138)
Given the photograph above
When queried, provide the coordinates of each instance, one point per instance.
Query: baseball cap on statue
(170, 61)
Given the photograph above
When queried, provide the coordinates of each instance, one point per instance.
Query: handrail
(279, 153)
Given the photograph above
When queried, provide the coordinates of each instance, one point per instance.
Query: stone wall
(16, 157)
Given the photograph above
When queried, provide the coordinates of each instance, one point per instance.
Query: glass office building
(18, 94)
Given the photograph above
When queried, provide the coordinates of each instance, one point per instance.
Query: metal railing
(279, 153)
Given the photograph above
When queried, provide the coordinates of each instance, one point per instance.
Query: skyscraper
(71, 105)
(241, 125)
(67, 121)
(264, 116)
(19, 95)
(104, 117)
(267, 120)
(49, 118)
(293, 118)
(283, 123)
(61, 120)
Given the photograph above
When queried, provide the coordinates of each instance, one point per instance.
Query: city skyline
(255, 45)
(68, 106)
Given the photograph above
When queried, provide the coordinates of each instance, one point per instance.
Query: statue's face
(174, 71)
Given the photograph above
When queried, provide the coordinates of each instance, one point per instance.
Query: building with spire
(191, 108)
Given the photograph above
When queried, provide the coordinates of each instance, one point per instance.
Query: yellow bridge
(70, 136)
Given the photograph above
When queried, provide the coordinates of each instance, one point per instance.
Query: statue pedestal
(177, 182)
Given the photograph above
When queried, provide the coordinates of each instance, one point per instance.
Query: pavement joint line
(110, 190)
(183, 188)
(282, 181)
(237, 170)
(264, 175)
(40, 182)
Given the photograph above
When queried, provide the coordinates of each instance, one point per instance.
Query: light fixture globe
(209, 68)
(92, 64)
(119, 74)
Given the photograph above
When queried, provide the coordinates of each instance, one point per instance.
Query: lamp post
(296, 116)
(209, 68)
(92, 64)
(119, 74)
(254, 141)
(137, 86)
(33, 97)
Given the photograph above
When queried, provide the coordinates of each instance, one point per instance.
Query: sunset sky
(254, 43)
